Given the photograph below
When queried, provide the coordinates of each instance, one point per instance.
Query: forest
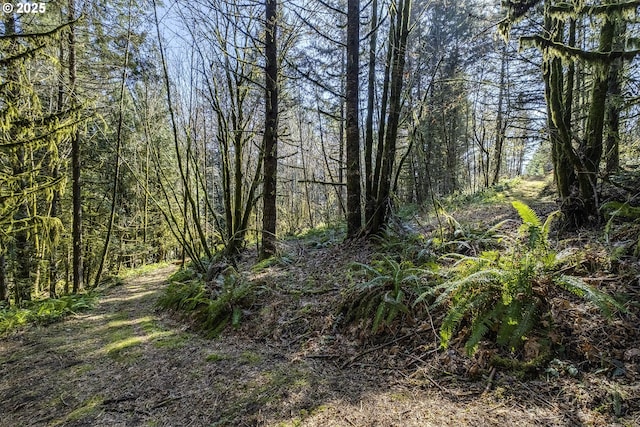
(320, 212)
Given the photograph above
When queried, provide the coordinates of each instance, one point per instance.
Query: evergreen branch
(575, 53)
(562, 9)
(44, 34)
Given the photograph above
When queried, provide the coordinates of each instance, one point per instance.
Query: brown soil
(292, 363)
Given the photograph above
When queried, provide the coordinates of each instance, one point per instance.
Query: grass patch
(45, 311)
(142, 270)
(170, 341)
(250, 358)
(86, 409)
(122, 341)
(215, 357)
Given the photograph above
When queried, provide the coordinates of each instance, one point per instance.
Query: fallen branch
(371, 350)
(492, 374)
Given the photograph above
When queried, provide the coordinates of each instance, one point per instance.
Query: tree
(76, 164)
(388, 130)
(270, 142)
(354, 214)
(118, 153)
(29, 141)
(576, 166)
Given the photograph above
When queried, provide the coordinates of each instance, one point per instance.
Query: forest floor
(126, 363)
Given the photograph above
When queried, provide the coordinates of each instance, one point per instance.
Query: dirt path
(124, 364)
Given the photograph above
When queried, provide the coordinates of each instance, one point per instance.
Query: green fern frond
(366, 267)
(546, 227)
(482, 325)
(377, 319)
(452, 319)
(624, 210)
(509, 323)
(527, 321)
(527, 214)
(605, 302)
(498, 226)
(480, 278)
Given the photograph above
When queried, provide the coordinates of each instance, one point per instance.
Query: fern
(605, 302)
(537, 232)
(382, 297)
(495, 293)
(527, 215)
(45, 311)
(526, 322)
(212, 313)
(481, 326)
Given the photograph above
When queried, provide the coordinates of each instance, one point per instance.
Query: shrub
(507, 294)
(389, 291)
(45, 311)
(212, 309)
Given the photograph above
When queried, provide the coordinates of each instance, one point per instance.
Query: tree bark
(270, 142)
(500, 127)
(612, 154)
(75, 162)
(398, 47)
(354, 213)
(368, 143)
(4, 289)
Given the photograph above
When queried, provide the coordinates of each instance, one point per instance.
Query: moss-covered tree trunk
(76, 165)
(4, 289)
(614, 101)
(593, 149)
(354, 212)
(270, 142)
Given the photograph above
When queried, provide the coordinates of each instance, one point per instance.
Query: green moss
(171, 341)
(86, 409)
(121, 342)
(215, 357)
(250, 358)
(141, 271)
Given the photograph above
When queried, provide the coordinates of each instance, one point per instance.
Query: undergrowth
(212, 307)
(45, 311)
(389, 290)
(505, 295)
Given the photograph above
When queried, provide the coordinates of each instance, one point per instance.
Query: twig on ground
(371, 350)
(166, 402)
(118, 400)
(492, 374)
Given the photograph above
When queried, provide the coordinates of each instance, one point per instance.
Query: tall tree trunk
(398, 47)
(55, 200)
(75, 161)
(368, 142)
(595, 123)
(305, 177)
(612, 154)
(270, 142)
(23, 249)
(354, 213)
(53, 253)
(375, 184)
(116, 171)
(500, 127)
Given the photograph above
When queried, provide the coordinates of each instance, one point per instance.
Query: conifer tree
(29, 141)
